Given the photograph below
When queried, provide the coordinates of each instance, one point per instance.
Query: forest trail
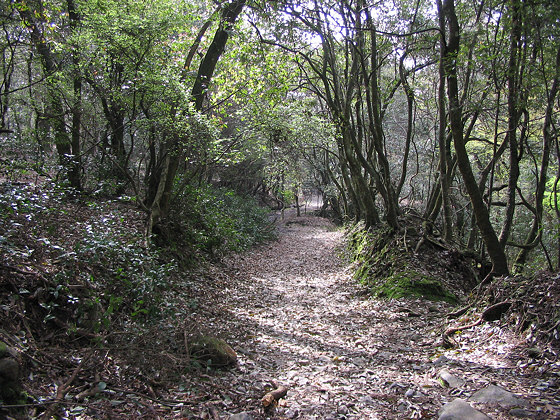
(296, 318)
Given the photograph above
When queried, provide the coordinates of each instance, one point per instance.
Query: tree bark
(533, 237)
(74, 171)
(215, 50)
(495, 250)
(513, 119)
(442, 140)
(159, 206)
(56, 115)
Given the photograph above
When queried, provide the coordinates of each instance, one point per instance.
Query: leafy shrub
(93, 270)
(131, 276)
(96, 269)
(217, 220)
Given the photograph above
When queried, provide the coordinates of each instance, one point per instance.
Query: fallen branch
(186, 344)
(450, 331)
(167, 403)
(553, 327)
(270, 400)
(63, 389)
(458, 312)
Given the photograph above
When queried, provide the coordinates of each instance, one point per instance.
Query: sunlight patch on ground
(342, 355)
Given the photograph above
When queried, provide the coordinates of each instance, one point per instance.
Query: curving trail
(296, 318)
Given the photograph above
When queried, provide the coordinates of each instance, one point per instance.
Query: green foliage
(551, 198)
(216, 220)
(18, 160)
(133, 277)
(102, 271)
(286, 136)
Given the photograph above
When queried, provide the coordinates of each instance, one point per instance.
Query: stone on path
(493, 394)
(214, 350)
(441, 360)
(241, 416)
(459, 409)
(450, 380)
(521, 413)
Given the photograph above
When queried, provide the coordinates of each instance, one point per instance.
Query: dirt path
(295, 317)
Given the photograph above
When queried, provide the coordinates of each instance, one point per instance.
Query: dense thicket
(445, 110)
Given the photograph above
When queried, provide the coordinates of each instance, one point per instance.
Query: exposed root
(491, 313)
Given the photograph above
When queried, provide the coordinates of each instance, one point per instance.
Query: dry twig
(63, 389)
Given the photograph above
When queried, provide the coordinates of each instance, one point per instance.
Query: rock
(10, 387)
(214, 351)
(495, 312)
(3, 350)
(7, 351)
(403, 406)
(241, 416)
(398, 388)
(9, 370)
(412, 393)
(367, 400)
(342, 410)
(459, 409)
(450, 380)
(292, 413)
(521, 413)
(441, 360)
(534, 352)
(493, 394)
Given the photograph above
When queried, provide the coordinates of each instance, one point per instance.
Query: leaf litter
(296, 318)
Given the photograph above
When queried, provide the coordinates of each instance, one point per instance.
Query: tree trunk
(159, 206)
(513, 119)
(208, 65)
(376, 126)
(74, 171)
(533, 237)
(56, 115)
(409, 123)
(495, 250)
(444, 179)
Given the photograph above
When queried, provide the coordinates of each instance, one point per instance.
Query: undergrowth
(211, 222)
(76, 277)
(81, 263)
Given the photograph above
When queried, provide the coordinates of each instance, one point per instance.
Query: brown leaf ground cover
(296, 318)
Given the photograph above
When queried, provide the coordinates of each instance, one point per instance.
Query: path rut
(339, 353)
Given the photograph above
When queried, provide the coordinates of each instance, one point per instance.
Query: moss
(412, 284)
(390, 270)
(213, 350)
(3, 350)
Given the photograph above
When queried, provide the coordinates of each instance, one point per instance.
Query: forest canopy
(444, 112)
